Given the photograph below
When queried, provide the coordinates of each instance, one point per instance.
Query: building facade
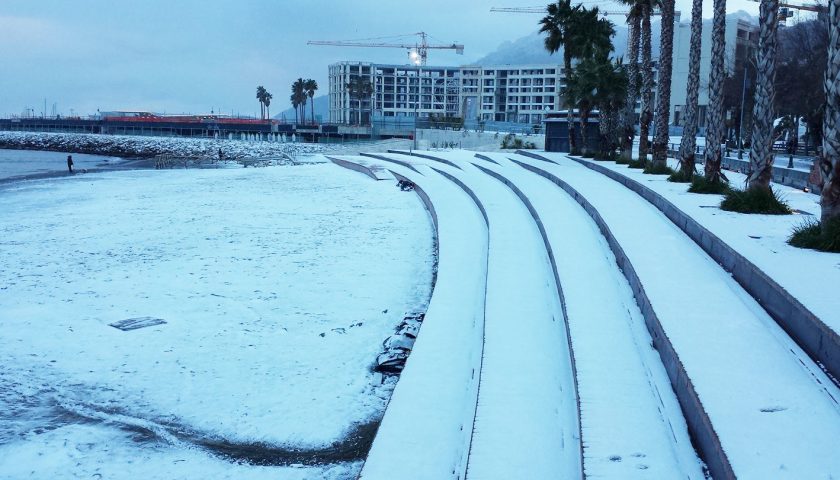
(741, 40)
(504, 93)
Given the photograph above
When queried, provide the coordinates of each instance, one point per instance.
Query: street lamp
(747, 60)
(416, 104)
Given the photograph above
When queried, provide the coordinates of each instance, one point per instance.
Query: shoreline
(128, 164)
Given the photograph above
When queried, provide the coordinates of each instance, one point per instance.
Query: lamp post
(416, 105)
(747, 61)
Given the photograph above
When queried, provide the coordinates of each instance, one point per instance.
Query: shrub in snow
(755, 200)
(699, 184)
(817, 236)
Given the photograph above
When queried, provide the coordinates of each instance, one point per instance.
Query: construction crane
(786, 9)
(542, 10)
(417, 53)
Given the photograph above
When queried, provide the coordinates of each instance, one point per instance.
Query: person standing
(70, 163)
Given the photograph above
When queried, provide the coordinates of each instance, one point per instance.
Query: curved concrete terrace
(727, 361)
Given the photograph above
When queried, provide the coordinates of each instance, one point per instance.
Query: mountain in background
(530, 49)
(322, 109)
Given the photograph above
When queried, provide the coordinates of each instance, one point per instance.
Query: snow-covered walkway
(757, 405)
(774, 411)
(427, 425)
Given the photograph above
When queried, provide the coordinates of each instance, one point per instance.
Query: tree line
(594, 81)
(301, 91)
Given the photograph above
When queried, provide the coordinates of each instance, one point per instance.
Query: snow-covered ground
(809, 275)
(277, 286)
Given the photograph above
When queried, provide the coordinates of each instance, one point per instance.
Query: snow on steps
(631, 422)
(528, 387)
(815, 337)
(756, 405)
(425, 431)
(373, 171)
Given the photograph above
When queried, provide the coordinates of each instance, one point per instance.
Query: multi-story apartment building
(741, 38)
(506, 93)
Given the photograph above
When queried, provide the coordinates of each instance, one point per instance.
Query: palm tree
(295, 104)
(557, 26)
(829, 162)
(663, 91)
(311, 86)
(610, 98)
(714, 112)
(267, 101)
(596, 83)
(298, 98)
(761, 148)
(628, 121)
(646, 114)
(359, 88)
(689, 138)
(261, 91)
(303, 99)
(582, 34)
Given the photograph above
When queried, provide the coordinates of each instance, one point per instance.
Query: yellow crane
(417, 52)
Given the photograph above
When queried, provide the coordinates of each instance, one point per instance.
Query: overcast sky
(197, 55)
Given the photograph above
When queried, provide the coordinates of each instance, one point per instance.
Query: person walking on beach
(70, 163)
(221, 155)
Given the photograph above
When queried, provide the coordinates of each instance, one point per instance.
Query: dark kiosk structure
(557, 132)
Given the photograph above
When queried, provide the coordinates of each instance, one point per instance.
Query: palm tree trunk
(584, 117)
(688, 145)
(830, 159)
(634, 27)
(761, 148)
(567, 68)
(647, 85)
(663, 91)
(714, 113)
(312, 109)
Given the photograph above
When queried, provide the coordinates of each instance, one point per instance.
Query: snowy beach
(277, 287)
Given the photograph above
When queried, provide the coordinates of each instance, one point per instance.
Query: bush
(652, 169)
(637, 164)
(699, 184)
(755, 200)
(622, 161)
(511, 142)
(814, 235)
(680, 177)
